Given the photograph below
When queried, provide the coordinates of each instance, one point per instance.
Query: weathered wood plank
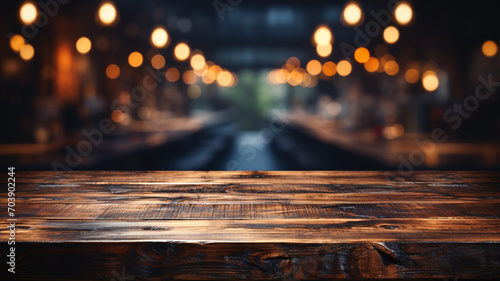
(250, 177)
(258, 230)
(256, 225)
(229, 261)
(254, 211)
(43, 188)
(263, 198)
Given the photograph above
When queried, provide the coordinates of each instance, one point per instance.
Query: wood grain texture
(236, 261)
(255, 225)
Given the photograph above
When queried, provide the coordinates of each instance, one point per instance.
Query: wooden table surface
(254, 225)
(139, 136)
(389, 151)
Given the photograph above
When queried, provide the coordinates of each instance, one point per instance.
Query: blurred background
(249, 85)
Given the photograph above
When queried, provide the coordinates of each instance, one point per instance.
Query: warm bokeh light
(159, 37)
(490, 48)
(271, 77)
(194, 91)
(189, 77)
(334, 108)
(383, 61)
(202, 71)
(135, 59)
(329, 68)
(362, 55)
(28, 13)
(308, 80)
(282, 76)
(225, 79)
(16, 42)
(172, 74)
(324, 50)
(181, 51)
(117, 116)
(27, 52)
(295, 78)
(352, 14)
(403, 13)
(112, 71)
(197, 61)
(314, 67)
(412, 75)
(344, 68)
(83, 45)
(158, 61)
(294, 62)
(210, 76)
(107, 13)
(124, 97)
(394, 131)
(215, 69)
(288, 66)
(372, 64)
(391, 67)
(323, 36)
(391, 35)
(430, 81)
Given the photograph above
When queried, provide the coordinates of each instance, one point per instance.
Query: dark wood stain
(255, 225)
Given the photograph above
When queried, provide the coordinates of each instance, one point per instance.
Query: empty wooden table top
(257, 225)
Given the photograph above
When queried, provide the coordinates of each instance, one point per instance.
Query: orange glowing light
(209, 77)
(403, 13)
(27, 52)
(489, 48)
(329, 68)
(344, 68)
(83, 45)
(391, 35)
(135, 59)
(181, 51)
(159, 37)
(362, 55)
(158, 61)
(372, 64)
(172, 74)
(324, 50)
(352, 14)
(295, 62)
(412, 75)
(16, 42)
(313, 67)
(189, 77)
(117, 116)
(112, 71)
(323, 36)
(225, 78)
(430, 81)
(107, 13)
(391, 68)
(197, 61)
(28, 13)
